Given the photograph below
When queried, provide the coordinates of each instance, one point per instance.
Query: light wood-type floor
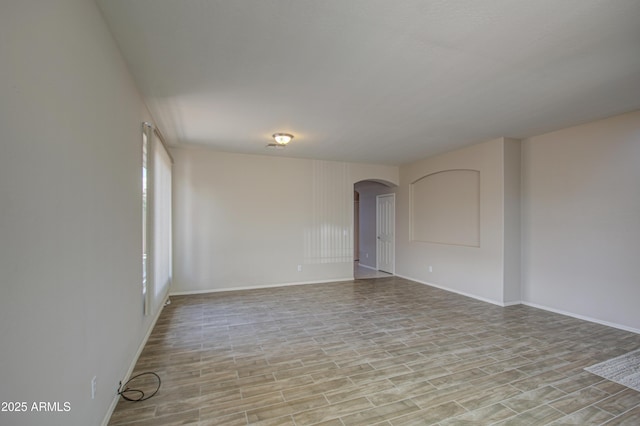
(382, 351)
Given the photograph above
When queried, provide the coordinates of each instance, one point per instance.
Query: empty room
(337, 212)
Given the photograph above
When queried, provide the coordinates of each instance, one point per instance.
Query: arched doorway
(366, 233)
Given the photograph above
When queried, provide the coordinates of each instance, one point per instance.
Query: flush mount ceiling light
(282, 138)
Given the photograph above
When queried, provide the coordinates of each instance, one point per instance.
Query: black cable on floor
(137, 391)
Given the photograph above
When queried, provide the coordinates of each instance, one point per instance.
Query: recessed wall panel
(445, 208)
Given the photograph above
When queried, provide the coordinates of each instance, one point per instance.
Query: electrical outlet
(430, 268)
(299, 268)
(94, 382)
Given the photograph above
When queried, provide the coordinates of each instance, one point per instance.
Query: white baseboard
(533, 305)
(582, 317)
(116, 398)
(256, 287)
(473, 296)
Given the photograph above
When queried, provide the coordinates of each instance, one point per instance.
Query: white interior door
(385, 224)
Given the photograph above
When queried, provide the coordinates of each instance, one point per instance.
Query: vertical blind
(157, 237)
(161, 220)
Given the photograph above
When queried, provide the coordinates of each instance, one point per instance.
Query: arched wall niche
(445, 208)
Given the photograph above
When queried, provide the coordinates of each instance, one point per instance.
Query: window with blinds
(156, 227)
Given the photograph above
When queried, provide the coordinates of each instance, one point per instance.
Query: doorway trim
(386, 233)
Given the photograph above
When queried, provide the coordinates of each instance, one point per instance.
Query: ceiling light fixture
(282, 138)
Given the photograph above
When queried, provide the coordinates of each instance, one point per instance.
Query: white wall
(581, 220)
(469, 270)
(70, 211)
(245, 221)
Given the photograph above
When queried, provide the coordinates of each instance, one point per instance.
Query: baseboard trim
(582, 317)
(461, 293)
(256, 287)
(530, 304)
(127, 375)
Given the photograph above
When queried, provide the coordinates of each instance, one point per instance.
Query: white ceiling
(378, 81)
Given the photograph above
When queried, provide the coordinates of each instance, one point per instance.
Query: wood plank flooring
(384, 351)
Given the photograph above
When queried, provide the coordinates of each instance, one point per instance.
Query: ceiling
(376, 81)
